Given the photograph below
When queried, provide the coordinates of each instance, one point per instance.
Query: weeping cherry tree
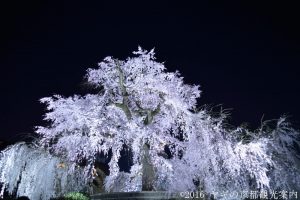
(141, 106)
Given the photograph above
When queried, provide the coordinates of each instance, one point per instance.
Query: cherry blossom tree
(27, 170)
(141, 106)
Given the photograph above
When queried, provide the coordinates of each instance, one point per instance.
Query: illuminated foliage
(147, 109)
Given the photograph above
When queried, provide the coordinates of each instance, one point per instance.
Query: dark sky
(244, 55)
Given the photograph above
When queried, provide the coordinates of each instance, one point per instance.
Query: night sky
(245, 56)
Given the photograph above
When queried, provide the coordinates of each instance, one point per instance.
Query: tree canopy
(147, 109)
(139, 103)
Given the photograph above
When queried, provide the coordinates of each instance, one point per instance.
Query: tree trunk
(148, 176)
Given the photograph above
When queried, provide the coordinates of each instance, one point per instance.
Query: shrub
(75, 196)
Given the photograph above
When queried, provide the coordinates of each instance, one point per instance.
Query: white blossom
(35, 173)
(139, 103)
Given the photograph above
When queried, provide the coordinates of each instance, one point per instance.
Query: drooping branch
(148, 112)
(124, 104)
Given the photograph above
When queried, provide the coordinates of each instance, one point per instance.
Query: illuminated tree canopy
(147, 109)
